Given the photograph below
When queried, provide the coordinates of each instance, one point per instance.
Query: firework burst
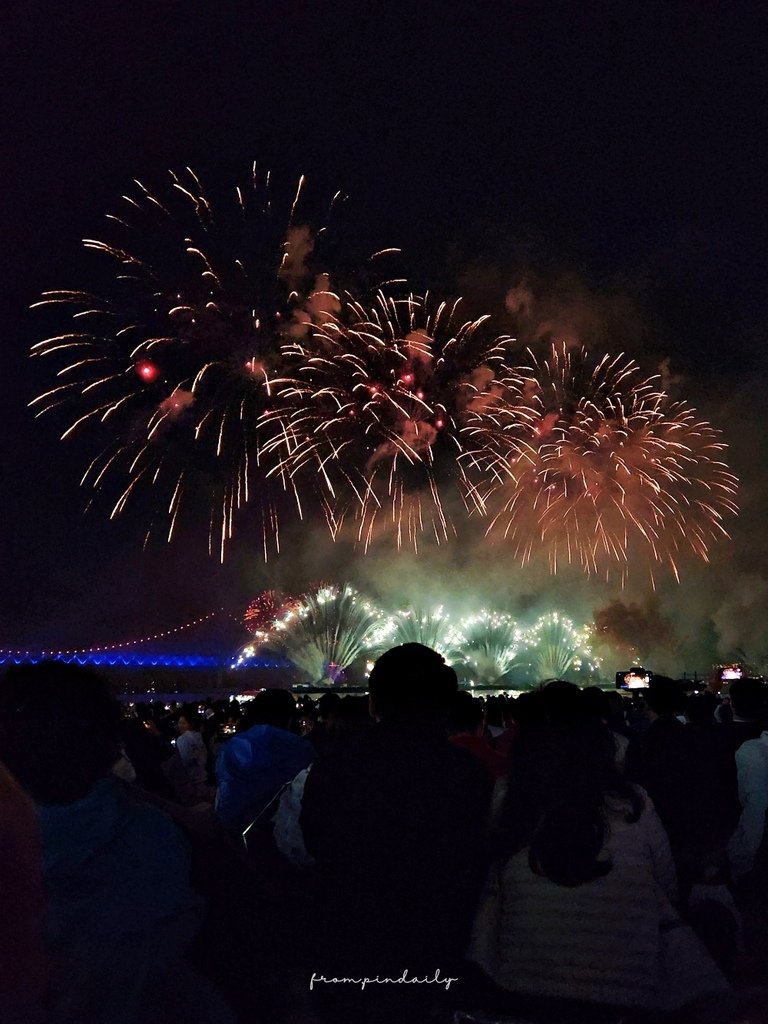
(325, 632)
(487, 645)
(263, 609)
(177, 367)
(416, 626)
(555, 648)
(223, 369)
(596, 464)
(386, 398)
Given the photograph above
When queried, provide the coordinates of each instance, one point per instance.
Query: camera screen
(634, 679)
(731, 673)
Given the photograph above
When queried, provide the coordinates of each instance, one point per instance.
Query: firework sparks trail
(596, 464)
(486, 645)
(262, 612)
(415, 626)
(177, 368)
(556, 648)
(330, 627)
(325, 632)
(385, 401)
(224, 369)
(263, 609)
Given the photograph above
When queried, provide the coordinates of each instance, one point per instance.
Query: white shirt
(752, 772)
(602, 941)
(289, 838)
(191, 748)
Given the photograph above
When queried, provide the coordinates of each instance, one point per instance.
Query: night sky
(615, 155)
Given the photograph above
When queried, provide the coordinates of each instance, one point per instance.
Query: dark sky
(624, 143)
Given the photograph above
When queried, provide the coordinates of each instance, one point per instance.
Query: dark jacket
(674, 764)
(395, 825)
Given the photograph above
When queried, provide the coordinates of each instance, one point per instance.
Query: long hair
(563, 777)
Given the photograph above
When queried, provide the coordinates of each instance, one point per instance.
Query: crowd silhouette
(419, 854)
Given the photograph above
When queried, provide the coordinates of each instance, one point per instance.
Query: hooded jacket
(251, 769)
(119, 909)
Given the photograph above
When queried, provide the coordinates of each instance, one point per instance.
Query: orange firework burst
(385, 399)
(227, 366)
(595, 463)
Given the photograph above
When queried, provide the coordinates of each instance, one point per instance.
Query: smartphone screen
(730, 673)
(635, 679)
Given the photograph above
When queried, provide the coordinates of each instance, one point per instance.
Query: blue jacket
(120, 912)
(251, 769)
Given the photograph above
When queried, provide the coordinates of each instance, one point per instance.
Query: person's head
(563, 702)
(700, 708)
(562, 779)
(306, 716)
(595, 703)
(665, 696)
(328, 705)
(189, 719)
(494, 712)
(748, 698)
(60, 730)
(412, 683)
(270, 707)
(529, 711)
(466, 714)
(617, 709)
(157, 722)
(351, 719)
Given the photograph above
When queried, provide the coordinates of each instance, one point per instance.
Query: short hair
(269, 707)
(529, 711)
(494, 711)
(192, 715)
(563, 702)
(412, 681)
(60, 729)
(596, 702)
(351, 711)
(700, 708)
(665, 696)
(748, 697)
(466, 713)
(328, 704)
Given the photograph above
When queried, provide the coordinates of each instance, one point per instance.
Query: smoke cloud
(298, 245)
(177, 403)
(716, 612)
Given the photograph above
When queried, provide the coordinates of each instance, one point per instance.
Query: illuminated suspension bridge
(206, 642)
